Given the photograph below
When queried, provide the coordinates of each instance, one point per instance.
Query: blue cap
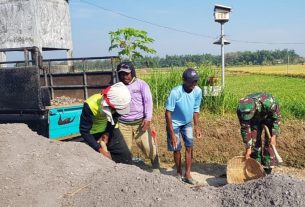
(190, 75)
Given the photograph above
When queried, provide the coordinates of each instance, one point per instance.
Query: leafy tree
(131, 42)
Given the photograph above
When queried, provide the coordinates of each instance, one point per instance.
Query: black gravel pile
(273, 190)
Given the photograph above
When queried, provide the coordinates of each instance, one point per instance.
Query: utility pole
(221, 15)
(287, 61)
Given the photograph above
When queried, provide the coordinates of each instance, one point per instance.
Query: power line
(147, 22)
(184, 31)
(268, 43)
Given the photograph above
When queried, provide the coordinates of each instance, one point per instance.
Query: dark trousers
(117, 147)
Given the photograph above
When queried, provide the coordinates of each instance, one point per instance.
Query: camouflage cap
(247, 108)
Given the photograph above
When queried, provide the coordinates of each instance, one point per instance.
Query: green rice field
(290, 90)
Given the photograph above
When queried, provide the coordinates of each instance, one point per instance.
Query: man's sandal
(190, 181)
(180, 178)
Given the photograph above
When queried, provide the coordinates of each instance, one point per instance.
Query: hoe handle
(277, 155)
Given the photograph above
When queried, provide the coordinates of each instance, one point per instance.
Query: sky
(181, 27)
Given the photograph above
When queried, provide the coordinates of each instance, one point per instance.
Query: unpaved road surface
(38, 172)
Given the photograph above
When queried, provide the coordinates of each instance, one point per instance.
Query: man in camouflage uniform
(254, 111)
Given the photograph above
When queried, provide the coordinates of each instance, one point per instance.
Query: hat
(124, 68)
(247, 107)
(118, 97)
(190, 75)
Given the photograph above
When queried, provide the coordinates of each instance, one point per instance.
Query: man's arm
(246, 134)
(170, 129)
(276, 116)
(247, 137)
(86, 122)
(147, 105)
(196, 125)
(198, 100)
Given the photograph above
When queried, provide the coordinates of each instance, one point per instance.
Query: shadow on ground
(204, 174)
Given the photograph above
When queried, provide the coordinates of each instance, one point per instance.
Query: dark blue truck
(29, 87)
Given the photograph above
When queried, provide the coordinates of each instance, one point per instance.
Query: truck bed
(50, 102)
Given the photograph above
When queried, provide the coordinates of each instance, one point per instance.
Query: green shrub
(161, 81)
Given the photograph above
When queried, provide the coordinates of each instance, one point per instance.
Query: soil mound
(36, 171)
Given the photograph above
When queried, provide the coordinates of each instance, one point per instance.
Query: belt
(135, 121)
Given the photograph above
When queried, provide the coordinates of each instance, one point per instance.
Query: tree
(131, 42)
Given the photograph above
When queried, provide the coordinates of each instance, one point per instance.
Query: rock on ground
(36, 171)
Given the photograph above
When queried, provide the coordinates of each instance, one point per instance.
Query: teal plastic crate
(64, 121)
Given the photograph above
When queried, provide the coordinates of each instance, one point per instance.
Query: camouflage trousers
(262, 150)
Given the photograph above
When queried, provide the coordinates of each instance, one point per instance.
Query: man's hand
(248, 153)
(197, 133)
(174, 142)
(145, 125)
(273, 140)
(104, 138)
(105, 153)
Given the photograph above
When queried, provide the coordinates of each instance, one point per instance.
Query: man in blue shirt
(182, 107)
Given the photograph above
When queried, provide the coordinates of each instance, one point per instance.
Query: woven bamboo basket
(240, 170)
